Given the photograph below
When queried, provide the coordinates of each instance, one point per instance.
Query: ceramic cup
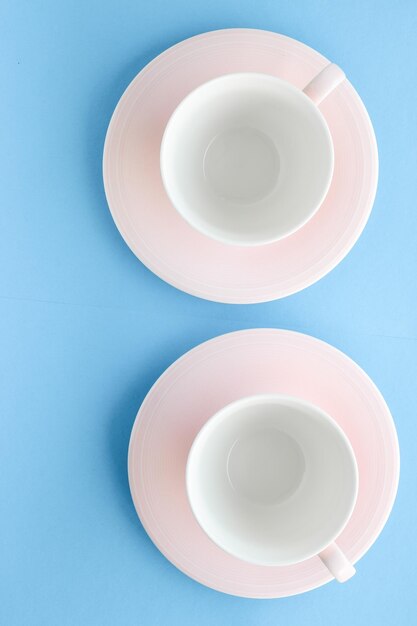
(247, 158)
(273, 480)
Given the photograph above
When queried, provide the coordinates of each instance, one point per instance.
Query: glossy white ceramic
(273, 480)
(248, 158)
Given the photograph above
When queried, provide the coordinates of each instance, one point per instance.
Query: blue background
(86, 328)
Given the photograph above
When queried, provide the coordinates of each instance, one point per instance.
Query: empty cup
(273, 480)
(247, 159)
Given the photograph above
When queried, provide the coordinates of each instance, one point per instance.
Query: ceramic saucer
(165, 242)
(218, 372)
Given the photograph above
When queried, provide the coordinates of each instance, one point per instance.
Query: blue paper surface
(86, 328)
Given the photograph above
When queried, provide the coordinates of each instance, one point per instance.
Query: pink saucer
(165, 242)
(225, 369)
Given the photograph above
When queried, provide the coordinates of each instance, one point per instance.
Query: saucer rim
(353, 372)
(255, 293)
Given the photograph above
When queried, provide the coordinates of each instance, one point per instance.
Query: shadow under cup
(272, 480)
(247, 158)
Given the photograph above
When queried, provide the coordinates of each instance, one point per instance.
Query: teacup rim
(263, 398)
(313, 107)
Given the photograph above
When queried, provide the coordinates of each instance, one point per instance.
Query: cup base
(266, 467)
(242, 165)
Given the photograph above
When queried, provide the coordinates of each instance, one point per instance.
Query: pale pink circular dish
(165, 242)
(218, 372)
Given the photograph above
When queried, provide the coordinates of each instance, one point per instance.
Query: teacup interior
(272, 482)
(247, 158)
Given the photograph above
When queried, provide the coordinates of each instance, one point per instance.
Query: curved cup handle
(336, 562)
(324, 83)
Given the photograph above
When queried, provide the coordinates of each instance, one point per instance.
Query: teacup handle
(337, 563)
(324, 82)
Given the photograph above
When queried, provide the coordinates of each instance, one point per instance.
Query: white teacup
(248, 158)
(273, 480)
